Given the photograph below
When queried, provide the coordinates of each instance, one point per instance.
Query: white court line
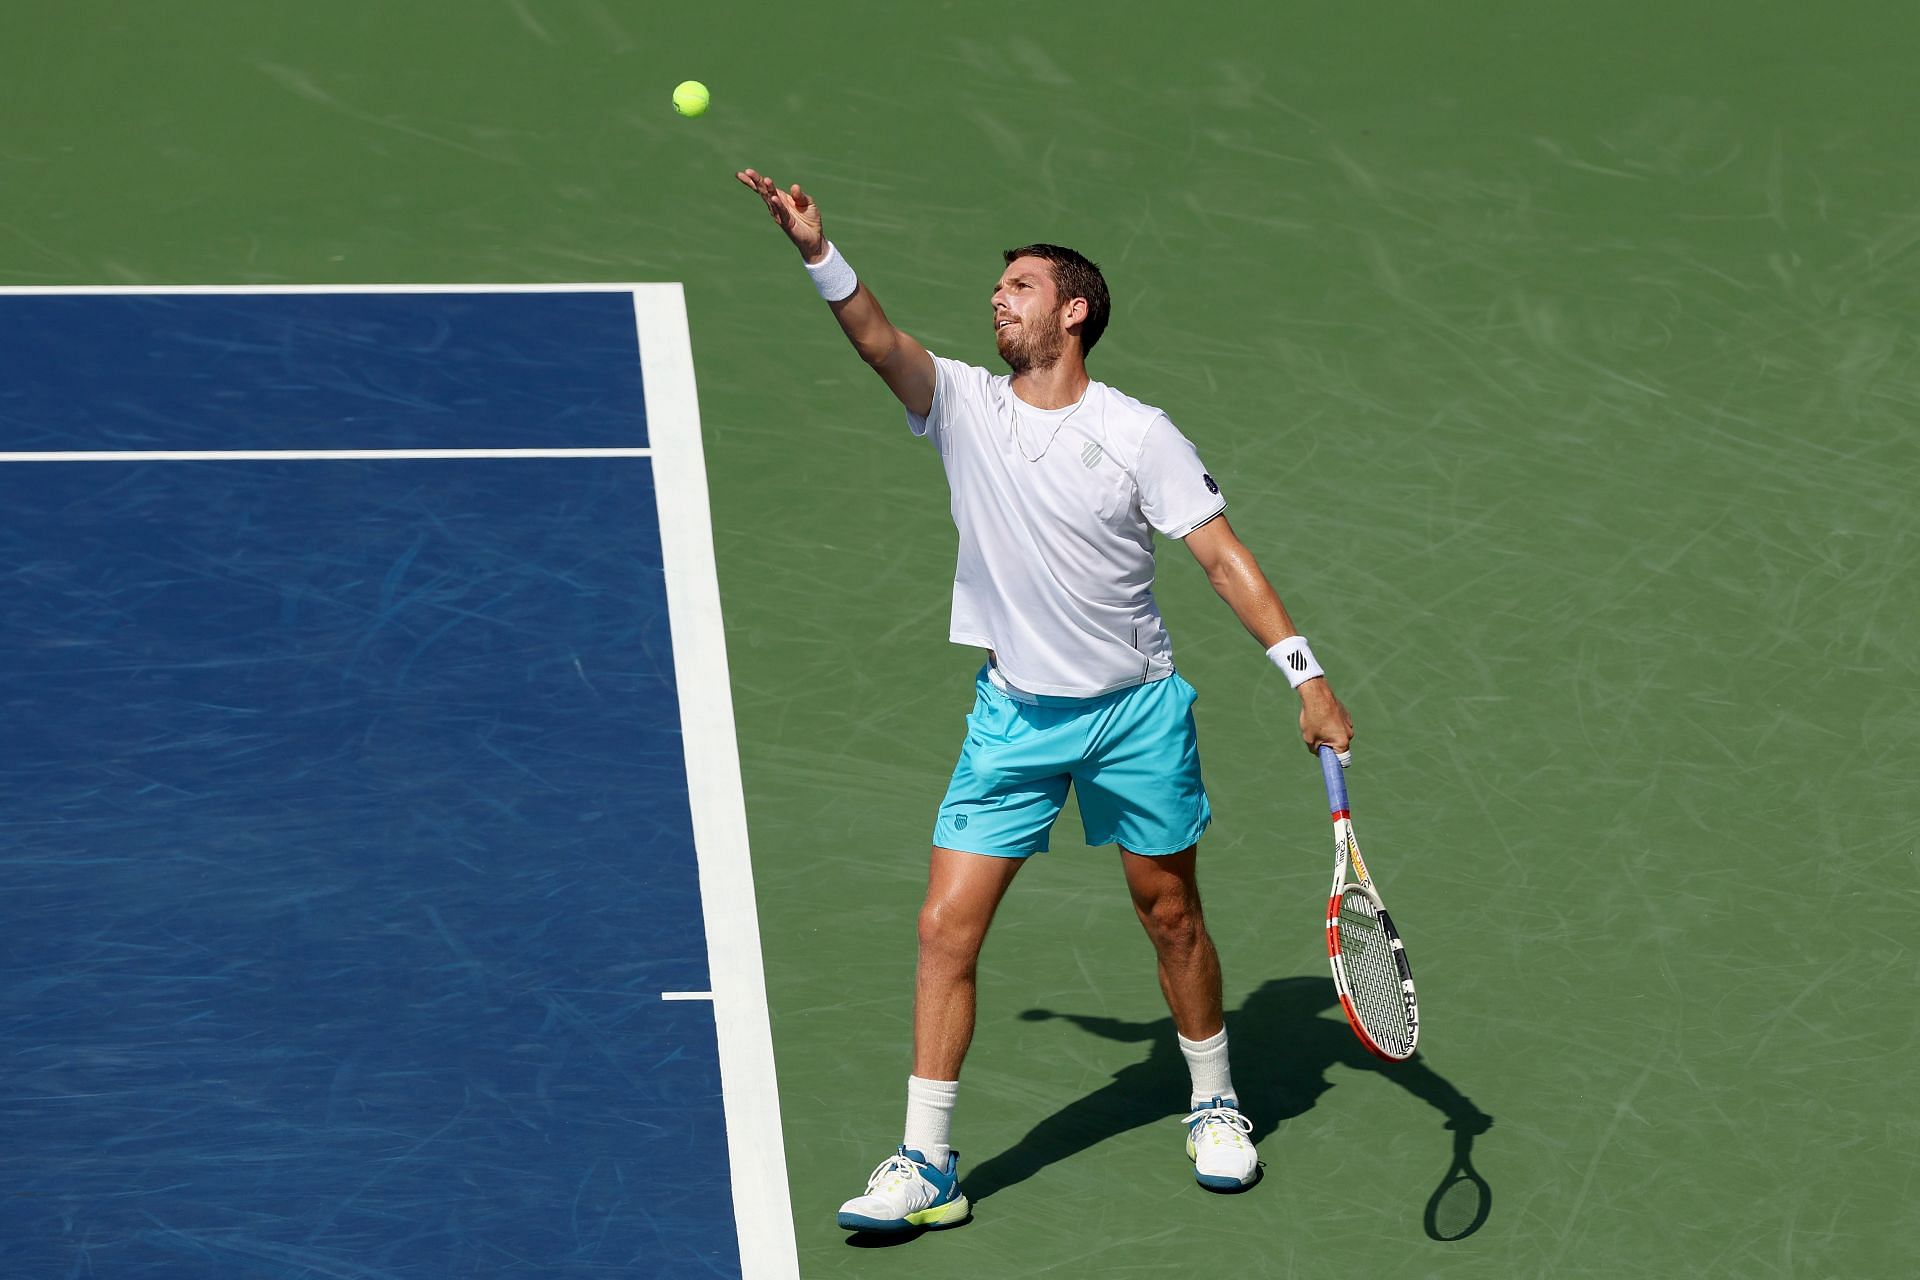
(304, 455)
(763, 1214)
(169, 290)
(686, 995)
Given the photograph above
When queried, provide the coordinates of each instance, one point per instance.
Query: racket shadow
(1463, 1201)
(1283, 1048)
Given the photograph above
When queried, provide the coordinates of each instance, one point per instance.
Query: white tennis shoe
(1217, 1143)
(906, 1193)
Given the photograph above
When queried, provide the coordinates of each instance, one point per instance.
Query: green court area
(1560, 363)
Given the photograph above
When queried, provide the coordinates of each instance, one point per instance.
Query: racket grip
(1336, 779)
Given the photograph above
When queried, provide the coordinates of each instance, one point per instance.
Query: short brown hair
(1074, 277)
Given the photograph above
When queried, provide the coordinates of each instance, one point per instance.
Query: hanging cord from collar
(1019, 426)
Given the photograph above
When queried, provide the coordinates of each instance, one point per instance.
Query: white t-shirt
(1056, 511)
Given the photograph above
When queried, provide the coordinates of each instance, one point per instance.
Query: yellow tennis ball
(690, 98)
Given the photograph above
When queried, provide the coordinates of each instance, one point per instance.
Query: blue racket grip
(1336, 779)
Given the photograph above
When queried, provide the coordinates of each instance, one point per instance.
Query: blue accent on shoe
(1217, 1102)
(1219, 1182)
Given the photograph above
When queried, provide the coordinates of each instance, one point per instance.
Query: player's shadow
(1282, 1050)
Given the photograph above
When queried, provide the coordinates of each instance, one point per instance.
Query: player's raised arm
(902, 363)
(1236, 576)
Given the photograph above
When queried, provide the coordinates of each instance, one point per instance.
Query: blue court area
(320, 371)
(347, 848)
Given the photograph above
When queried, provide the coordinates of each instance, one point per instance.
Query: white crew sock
(1207, 1064)
(930, 1118)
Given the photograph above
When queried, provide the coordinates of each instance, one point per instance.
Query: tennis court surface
(350, 842)
(1558, 362)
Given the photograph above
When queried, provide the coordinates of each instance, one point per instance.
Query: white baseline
(302, 455)
(763, 1215)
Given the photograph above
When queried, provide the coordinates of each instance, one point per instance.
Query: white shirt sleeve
(950, 379)
(1176, 494)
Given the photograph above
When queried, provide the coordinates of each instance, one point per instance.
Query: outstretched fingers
(762, 186)
(792, 209)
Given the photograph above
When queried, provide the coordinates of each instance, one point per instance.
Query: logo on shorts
(1211, 486)
(959, 822)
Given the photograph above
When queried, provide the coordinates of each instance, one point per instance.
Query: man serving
(1058, 485)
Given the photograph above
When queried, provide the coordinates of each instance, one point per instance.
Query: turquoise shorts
(1131, 755)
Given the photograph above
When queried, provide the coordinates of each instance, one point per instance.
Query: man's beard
(1032, 349)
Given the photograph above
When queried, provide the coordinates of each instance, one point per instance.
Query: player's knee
(949, 936)
(1174, 923)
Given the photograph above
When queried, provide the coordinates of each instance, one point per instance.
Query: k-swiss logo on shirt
(1211, 486)
(1090, 454)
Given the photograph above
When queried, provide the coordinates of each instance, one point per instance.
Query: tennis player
(1058, 485)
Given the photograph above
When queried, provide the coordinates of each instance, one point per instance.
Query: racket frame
(1347, 857)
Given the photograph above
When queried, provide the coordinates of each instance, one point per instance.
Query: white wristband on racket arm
(1295, 660)
(832, 276)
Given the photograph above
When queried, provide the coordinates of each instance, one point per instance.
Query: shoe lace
(890, 1173)
(1228, 1116)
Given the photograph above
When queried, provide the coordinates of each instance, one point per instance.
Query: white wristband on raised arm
(832, 276)
(1296, 660)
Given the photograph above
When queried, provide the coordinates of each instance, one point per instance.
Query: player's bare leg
(963, 892)
(919, 1186)
(1166, 897)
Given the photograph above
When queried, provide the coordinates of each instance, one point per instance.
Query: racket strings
(1373, 979)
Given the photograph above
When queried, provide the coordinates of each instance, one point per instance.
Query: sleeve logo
(1211, 486)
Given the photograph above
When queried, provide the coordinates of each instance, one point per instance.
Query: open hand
(794, 210)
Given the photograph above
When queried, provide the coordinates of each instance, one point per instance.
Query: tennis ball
(690, 98)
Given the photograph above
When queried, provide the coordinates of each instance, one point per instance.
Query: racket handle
(1336, 779)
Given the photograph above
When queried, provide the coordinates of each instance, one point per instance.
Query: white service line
(686, 995)
(763, 1214)
(191, 290)
(304, 455)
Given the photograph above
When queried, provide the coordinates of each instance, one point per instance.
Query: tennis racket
(1370, 969)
